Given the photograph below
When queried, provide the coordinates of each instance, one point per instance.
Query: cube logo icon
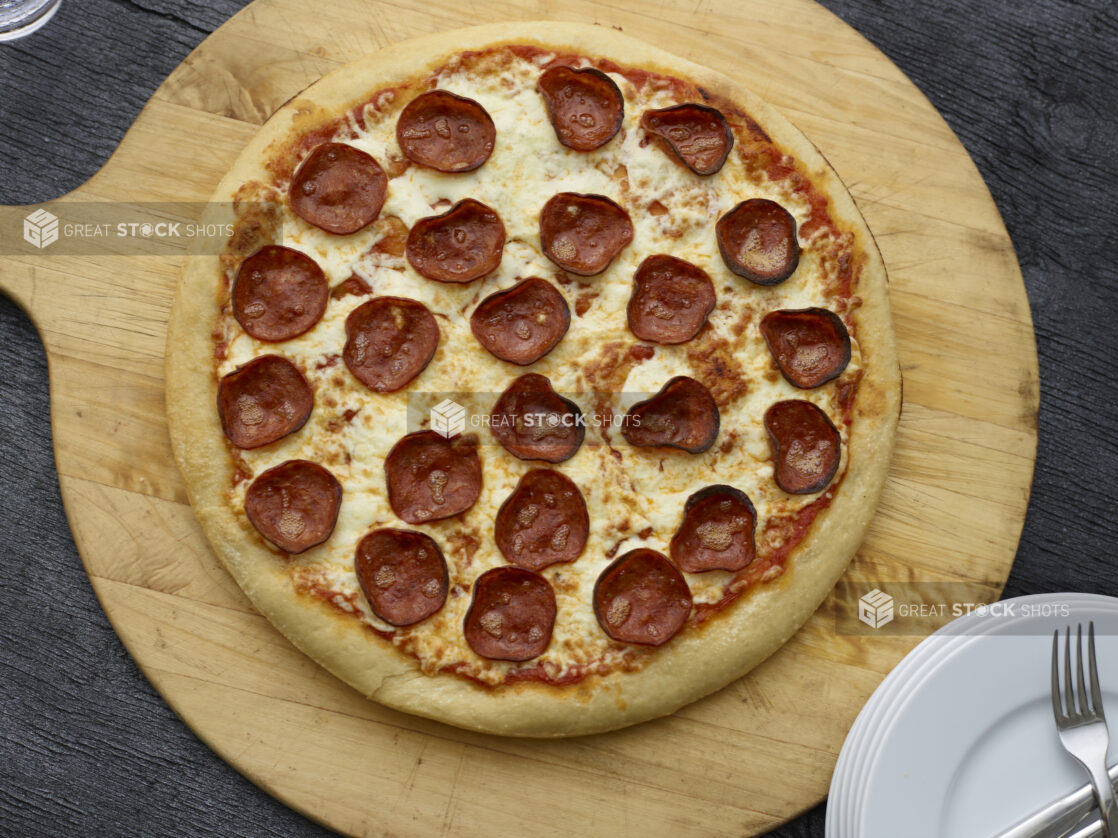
(875, 609)
(40, 228)
(448, 418)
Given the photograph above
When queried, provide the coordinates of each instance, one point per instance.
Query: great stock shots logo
(448, 418)
(96, 228)
(875, 609)
(919, 608)
(40, 228)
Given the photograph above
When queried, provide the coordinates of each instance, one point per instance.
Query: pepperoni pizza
(657, 316)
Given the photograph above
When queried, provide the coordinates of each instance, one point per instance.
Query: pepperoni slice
(642, 598)
(402, 574)
(682, 415)
(294, 505)
(698, 136)
(389, 341)
(585, 106)
(810, 345)
(446, 132)
(338, 188)
(511, 615)
(757, 239)
(543, 522)
(355, 285)
(522, 324)
(262, 401)
(279, 293)
(463, 244)
(717, 531)
(430, 477)
(533, 422)
(806, 446)
(583, 233)
(671, 300)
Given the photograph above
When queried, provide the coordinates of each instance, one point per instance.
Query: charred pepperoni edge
(534, 383)
(329, 484)
(537, 290)
(467, 212)
(307, 265)
(773, 329)
(575, 515)
(736, 495)
(465, 459)
(510, 576)
(554, 207)
(697, 390)
(306, 206)
(426, 324)
(232, 386)
(642, 554)
(465, 108)
(755, 204)
(823, 424)
(600, 87)
(398, 540)
(649, 117)
(642, 282)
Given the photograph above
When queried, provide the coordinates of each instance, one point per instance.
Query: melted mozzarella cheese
(635, 500)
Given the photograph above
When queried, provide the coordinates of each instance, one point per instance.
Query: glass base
(11, 29)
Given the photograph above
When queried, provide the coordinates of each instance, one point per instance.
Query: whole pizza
(546, 384)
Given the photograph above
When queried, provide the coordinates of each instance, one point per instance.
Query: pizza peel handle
(16, 282)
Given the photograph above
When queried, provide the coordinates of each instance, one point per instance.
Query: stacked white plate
(959, 741)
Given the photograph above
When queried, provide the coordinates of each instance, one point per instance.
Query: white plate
(888, 700)
(958, 741)
(865, 736)
(846, 789)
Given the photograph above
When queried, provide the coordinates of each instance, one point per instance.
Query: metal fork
(1082, 724)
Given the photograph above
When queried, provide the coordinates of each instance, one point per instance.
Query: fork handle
(1104, 794)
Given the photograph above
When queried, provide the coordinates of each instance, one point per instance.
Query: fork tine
(1069, 696)
(1096, 694)
(1057, 710)
(1081, 694)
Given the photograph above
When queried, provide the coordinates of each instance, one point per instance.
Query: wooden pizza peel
(739, 762)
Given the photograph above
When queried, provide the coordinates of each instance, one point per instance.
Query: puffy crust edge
(699, 661)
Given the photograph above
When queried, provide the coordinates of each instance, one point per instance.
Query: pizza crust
(697, 662)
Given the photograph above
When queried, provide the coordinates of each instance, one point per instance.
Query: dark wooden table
(88, 748)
